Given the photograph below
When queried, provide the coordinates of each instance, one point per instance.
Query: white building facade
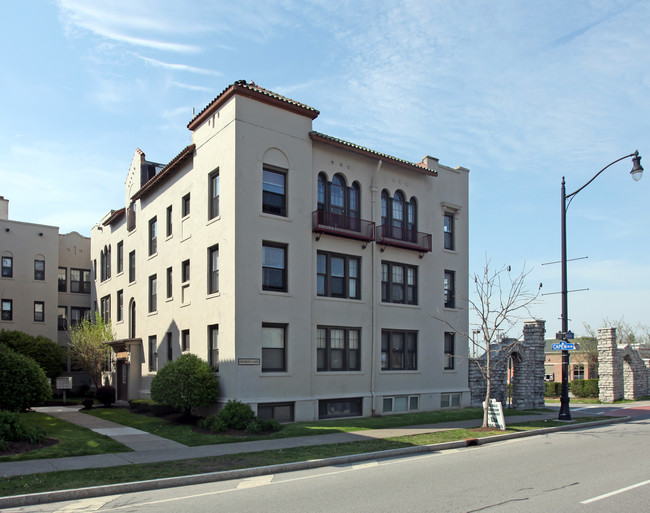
(311, 273)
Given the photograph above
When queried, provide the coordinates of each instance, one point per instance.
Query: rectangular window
(170, 347)
(282, 412)
(274, 267)
(274, 199)
(399, 350)
(338, 349)
(185, 205)
(120, 305)
(105, 308)
(80, 281)
(153, 293)
(333, 408)
(153, 236)
(213, 346)
(450, 351)
(401, 403)
(63, 279)
(450, 289)
(578, 372)
(185, 340)
(274, 348)
(399, 283)
(169, 221)
(78, 314)
(130, 217)
(185, 271)
(132, 266)
(39, 269)
(449, 231)
(450, 400)
(62, 318)
(7, 310)
(170, 287)
(213, 188)
(39, 311)
(120, 257)
(338, 275)
(7, 267)
(153, 353)
(213, 269)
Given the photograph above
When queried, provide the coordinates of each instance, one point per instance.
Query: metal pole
(565, 413)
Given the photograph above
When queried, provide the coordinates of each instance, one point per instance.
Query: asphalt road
(602, 469)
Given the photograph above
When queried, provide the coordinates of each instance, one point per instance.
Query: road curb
(15, 501)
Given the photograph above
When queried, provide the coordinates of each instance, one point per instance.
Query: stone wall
(528, 370)
(623, 373)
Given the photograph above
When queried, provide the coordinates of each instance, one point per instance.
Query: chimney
(4, 209)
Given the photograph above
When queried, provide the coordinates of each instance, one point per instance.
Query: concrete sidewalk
(148, 448)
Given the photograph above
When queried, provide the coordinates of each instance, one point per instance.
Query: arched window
(340, 204)
(337, 195)
(322, 188)
(398, 216)
(412, 219)
(385, 207)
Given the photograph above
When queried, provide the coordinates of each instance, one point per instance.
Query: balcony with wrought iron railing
(402, 238)
(342, 226)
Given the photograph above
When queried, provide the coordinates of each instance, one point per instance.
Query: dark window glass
(80, 281)
(170, 347)
(7, 309)
(169, 221)
(153, 353)
(39, 269)
(450, 351)
(105, 308)
(398, 350)
(274, 270)
(170, 287)
(62, 318)
(213, 346)
(120, 305)
(153, 293)
(399, 283)
(120, 256)
(274, 192)
(185, 271)
(153, 236)
(338, 275)
(450, 289)
(338, 349)
(7, 267)
(332, 408)
(185, 205)
(185, 340)
(449, 231)
(274, 348)
(39, 311)
(282, 412)
(213, 269)
(77, 314)
(63, 279)
(213, 207)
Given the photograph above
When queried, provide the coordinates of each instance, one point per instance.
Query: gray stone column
(610, 371)
(529, 389)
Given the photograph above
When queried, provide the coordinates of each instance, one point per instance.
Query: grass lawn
(129, 473)
(73, 440)
(185, 434)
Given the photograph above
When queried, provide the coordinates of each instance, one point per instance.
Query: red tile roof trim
(165, 172)
(115, 216)
(255, 92)
(340, 143)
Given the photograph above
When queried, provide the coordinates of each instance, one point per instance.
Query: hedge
(584, 387)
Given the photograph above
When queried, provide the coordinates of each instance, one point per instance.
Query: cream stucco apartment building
(45, 280)
(311, 273)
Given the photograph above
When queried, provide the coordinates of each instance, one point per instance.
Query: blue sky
(520, 92)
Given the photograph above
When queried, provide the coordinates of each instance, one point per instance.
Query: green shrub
(236, 415)
(160, 410)
(552, 389)
(258, 425)
(88, 403)
(185, 384)
(22, 381)
(213, 423)
(47, 353)
(12, 429)
(584, 387)
(106, 395)
(140, 405)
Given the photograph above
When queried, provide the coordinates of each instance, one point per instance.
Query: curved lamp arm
(637, 171)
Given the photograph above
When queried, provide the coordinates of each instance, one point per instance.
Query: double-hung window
(448, 229)
(450, 351)
(185, 205)
(153, 236)
(80, 281)
(120, 305)
(105, 306)
(185, 340)
(39, 269)
(62, 318)
(153, 293)
(450, 289)
(213, 346)
(120, 257)
(170, 286)
(153, 352)
(274, 188)
(213, 188)
(338, 275)
(63, 279)
(39, 311)
(213, 269)
(7, 310)
(169, 221)
(132, 266)
(338, 349)
(7, 267)
(399, 283)
(274, 267)
(399, 350)
(274, 354)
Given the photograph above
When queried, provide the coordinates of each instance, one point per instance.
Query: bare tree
(625, 332)
(500, 301)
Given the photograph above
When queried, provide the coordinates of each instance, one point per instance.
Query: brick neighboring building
(581, 363)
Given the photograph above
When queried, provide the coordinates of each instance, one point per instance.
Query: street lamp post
(637, 173)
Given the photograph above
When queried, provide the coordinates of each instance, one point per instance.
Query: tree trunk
(488, 383)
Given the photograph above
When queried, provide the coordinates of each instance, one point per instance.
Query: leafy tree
(185, 383)
(501, 300)
(47, 353)
(90, 350)
(22, 381)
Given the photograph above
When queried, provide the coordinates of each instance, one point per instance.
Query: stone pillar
(529, 389)
(610, 371)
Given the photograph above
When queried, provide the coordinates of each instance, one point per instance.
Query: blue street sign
(563, 346)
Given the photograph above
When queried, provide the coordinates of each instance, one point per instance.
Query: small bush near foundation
(584, 387)
(552, 389)
(214, 424)
(258, 425)
(23, 382)
(88, 403)
(106, 395)
(12, 429)
(236, 415)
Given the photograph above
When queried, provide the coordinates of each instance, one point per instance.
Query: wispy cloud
(178, 67)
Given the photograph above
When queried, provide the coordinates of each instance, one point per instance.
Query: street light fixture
(637, 173)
